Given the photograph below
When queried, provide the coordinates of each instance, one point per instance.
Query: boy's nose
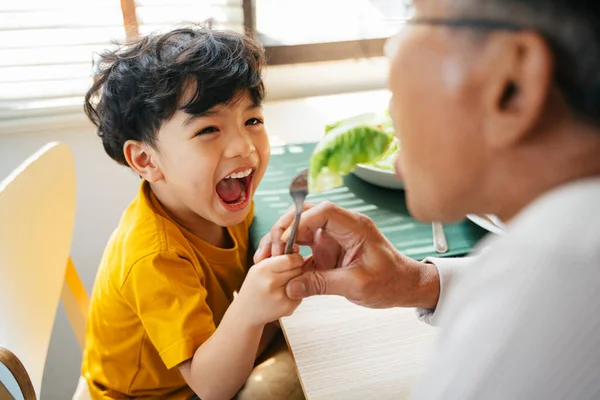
(241, 146)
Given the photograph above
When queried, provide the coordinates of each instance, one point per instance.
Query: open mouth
(234, 190)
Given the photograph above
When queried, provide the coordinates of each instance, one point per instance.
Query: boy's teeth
(241, 174)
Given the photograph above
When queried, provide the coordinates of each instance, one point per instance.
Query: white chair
(37, 213)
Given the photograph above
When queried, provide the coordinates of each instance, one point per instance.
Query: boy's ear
(139, 156)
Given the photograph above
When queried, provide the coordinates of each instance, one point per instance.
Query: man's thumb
(332, 281)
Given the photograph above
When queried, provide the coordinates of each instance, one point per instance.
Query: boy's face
(210, 165)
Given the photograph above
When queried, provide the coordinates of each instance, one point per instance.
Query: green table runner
(386, 207)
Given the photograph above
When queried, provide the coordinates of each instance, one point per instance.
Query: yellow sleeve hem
(183, 350)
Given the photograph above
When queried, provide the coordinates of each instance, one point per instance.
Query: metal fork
(298, 191)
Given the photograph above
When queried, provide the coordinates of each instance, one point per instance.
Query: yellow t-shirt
(159, 294)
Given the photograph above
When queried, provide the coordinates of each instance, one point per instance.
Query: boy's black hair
(140, 84)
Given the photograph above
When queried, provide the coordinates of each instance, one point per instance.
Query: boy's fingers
(277, 245)
(264, 252)
(260, 256)
(264, 242)
(285, 263)
(285, 277)
(264, 249)
(275, 235)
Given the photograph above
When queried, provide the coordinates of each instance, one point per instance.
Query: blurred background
(322, 54)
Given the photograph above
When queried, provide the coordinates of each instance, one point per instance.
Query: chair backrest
(14, 380)
(37, 213)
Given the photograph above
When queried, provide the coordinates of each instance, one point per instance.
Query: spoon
(298, 191)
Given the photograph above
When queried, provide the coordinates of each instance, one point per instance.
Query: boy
(182, 110)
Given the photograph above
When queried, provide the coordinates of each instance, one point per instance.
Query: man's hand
(351, 258)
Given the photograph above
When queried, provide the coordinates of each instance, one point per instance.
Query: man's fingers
(345, 227)
(341, 226)
(339, 282)
(326, 251)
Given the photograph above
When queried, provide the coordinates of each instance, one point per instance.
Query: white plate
(378, 177)
(491, 223)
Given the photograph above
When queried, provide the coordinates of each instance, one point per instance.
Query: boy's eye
(206, 131)
(253, 121)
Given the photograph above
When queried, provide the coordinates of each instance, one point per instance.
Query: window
(46, 47)
(160, 15)
(45, 52)
(296, 31)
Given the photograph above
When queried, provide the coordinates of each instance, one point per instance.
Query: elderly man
(497, 107)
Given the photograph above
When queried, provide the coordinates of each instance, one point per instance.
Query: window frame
(301, 58)
(130, 21)
(313, 52)
(283, 54)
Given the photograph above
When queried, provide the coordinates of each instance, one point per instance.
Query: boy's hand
(262, 296)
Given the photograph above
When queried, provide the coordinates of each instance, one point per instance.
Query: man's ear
(518, 87)
(140, 156)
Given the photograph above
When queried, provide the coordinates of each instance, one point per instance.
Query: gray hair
(572, 28)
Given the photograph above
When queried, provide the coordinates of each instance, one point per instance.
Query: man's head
(183, 110)
(491, 99)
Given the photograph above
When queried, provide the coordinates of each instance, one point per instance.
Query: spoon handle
(439, 238)
(289, 246)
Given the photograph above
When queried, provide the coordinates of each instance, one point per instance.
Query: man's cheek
(398, 167)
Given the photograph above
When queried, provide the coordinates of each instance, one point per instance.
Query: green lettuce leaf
(389, 158)
(362, 139)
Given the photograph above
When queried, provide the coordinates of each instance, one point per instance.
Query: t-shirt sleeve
(166, 292)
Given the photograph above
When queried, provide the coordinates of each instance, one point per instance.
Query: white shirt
(521, 320)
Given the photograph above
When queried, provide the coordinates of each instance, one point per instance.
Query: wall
(325, 78)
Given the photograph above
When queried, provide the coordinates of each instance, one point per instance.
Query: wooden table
(343, 351)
